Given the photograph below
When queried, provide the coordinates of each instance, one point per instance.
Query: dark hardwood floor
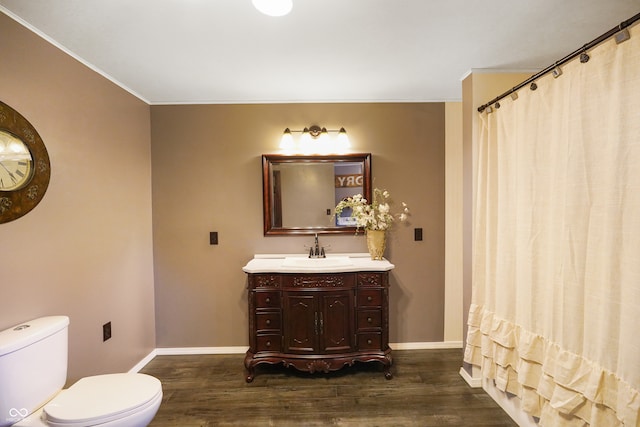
(426, 390)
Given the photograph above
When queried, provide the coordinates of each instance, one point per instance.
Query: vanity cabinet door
(336, 321)
(300, 315)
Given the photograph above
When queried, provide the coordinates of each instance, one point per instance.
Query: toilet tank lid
(27, 333)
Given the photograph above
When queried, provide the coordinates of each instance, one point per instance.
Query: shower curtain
(556, 243)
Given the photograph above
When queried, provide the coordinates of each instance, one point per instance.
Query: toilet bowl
(33, 368)
(112, 400)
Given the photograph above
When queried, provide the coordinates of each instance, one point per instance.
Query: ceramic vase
(376, 242)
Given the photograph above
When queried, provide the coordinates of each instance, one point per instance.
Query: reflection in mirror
(301, 192)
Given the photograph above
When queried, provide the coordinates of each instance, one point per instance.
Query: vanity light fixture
(315, 140)
(273, 7)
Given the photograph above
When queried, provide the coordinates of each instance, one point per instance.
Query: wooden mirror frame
(269, 159)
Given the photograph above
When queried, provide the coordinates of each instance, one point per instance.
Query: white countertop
(301, 263)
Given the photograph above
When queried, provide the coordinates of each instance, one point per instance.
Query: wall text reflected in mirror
(301, 192)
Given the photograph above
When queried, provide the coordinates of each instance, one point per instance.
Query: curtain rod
(567, 58)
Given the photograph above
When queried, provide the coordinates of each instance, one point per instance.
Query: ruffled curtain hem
(559, 387)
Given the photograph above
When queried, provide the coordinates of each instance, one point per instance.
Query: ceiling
(225, 51)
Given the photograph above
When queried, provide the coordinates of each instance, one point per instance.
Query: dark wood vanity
(318, 321)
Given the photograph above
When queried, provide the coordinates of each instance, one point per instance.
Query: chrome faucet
(316, 251)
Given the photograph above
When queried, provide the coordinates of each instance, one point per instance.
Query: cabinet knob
(368, 341)
(369, 298)
(369, 319)
(268, 322)
(268, 343)
(267, 300)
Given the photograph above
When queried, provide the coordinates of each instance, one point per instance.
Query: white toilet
(33, 370)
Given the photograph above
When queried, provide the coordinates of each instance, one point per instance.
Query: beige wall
(207, 177)
(85, 250)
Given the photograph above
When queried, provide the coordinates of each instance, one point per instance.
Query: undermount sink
(328, 262)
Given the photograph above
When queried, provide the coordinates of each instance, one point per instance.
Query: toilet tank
(33, 366)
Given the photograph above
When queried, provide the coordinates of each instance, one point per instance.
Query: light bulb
(287, 143)
(342, 143)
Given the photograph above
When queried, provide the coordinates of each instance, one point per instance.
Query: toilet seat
(101, 399)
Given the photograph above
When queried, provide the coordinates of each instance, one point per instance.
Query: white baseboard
(177, 351)
(473, 382)
(425, 345)
(141, 364)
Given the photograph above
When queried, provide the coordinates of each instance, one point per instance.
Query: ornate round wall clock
(24, 165)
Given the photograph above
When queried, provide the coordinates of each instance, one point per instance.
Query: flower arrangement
(374, 216)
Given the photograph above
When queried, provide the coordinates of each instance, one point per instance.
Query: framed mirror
(300, 192)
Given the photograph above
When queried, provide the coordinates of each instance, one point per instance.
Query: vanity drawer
(369, 297)
(268, 321)
(267, 299)
(271, 342)
(369, 341)
(368, 319)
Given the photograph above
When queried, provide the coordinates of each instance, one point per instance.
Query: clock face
(16, 162)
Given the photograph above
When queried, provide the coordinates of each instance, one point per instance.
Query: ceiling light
(273, 7)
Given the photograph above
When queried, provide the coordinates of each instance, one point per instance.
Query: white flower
(374, 216)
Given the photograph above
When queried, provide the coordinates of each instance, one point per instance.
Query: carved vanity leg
(387, 372)
(249, 367)
(388, 361)
(250, 374)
